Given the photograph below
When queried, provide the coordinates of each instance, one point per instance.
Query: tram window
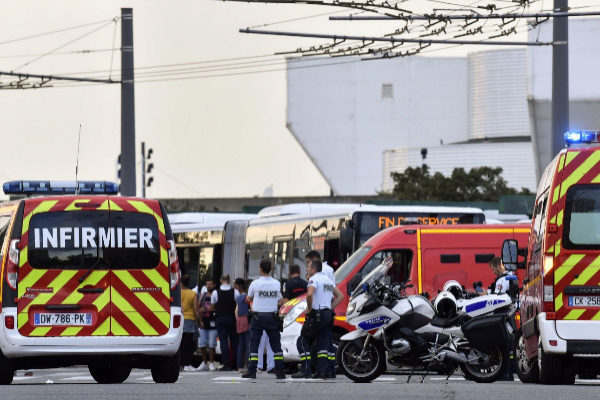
(301, 249)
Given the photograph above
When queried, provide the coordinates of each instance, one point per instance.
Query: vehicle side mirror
(510, 254)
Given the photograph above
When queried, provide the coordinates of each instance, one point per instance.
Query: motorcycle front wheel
(489, 366)
(365, 368)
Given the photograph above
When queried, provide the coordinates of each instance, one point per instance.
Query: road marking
(450, 379)
(231, 378)
(385, 379)
(143, 378)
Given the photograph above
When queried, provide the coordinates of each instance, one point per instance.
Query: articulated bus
(285, 234)
(199, 241)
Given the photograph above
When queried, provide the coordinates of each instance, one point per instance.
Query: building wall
(344, 118)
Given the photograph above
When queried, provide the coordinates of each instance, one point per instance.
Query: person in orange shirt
(188, 305)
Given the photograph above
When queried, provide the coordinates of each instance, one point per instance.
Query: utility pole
(128, 185)
(560, 77)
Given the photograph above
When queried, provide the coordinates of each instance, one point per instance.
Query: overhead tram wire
(63, 46)
(54, 32)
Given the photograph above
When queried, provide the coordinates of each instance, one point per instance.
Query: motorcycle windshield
(378, 274)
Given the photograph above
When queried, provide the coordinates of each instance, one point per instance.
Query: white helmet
(445, 304)
(453, 287)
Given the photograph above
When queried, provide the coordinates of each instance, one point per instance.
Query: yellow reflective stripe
(134, 316)
(557, 248)
(145, 297)
(570, 156)
(597, 315)
(587, 273)
(559, 219)
(103, 206)
(71, 207)
(32, 277)
(71, 331)
(22, 319)
(41, 331)
(596, 179)
(103, 329)
(158, 280)
(551, 249)
(58, 282)
(143, 207)
(23, 256)
(555, 194)
(553, 219)
(42, 207)
(114, 206)
(574, 314)
(117, 329)
(576, 175)
(92, 279)
(569, 263)
(558, 302)
(164, 256)
(341, 318)
(102, 300)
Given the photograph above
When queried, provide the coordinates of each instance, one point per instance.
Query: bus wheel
(527, 369)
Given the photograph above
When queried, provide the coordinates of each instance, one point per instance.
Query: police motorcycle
(417, 334)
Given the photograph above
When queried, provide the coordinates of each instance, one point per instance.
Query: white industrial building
(360, 121)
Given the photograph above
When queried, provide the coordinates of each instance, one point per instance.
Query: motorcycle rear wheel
(488, 373)
(370, 367)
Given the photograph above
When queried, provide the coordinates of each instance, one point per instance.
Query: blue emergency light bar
(60, 187)
(576, 137)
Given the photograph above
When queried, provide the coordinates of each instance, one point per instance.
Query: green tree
(479, 184)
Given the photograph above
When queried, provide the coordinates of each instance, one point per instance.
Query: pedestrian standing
(223, 302)
(295, 286)
(188, 305)
(241, 323)
(327, 271)
(208, 328)
(264, 294)
(317, 326)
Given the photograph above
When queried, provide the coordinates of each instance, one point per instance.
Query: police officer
(264, 294)
(314, 255)
(317, 327)
(502, 282)
(295, 286)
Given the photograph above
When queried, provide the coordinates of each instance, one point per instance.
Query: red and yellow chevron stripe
(118, 310)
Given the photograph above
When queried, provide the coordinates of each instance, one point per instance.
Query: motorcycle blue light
(365, 287)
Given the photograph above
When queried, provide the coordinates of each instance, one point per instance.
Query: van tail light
(12, 265)
(9, 322)
(174, 271)
(177, 321)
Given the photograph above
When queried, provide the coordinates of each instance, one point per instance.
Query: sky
(223, 135)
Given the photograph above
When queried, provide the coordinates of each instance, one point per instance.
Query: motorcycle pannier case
(486, 330)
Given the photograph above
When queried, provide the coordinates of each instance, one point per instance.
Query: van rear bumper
(15, 345)
(576, 338)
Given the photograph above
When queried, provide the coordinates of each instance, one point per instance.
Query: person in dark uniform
(295, 286)
(322, 296)
(264, 294)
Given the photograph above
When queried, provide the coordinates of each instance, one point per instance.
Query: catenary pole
(128, 184)
(560, 78)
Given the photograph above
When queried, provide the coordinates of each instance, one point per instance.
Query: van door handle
(62, 307)
(90, 290)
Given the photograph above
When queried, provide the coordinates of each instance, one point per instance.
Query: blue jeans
(243, 348)
(227, 332)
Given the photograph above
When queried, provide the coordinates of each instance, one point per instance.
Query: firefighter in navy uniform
(317, 327)
(264, 294)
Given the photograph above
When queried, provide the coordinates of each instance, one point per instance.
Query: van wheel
(6, 370)
(166, 370)
(551, 368)
(108, 371)
(527, 369)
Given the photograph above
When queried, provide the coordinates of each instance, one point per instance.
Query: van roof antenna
(77, 162)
